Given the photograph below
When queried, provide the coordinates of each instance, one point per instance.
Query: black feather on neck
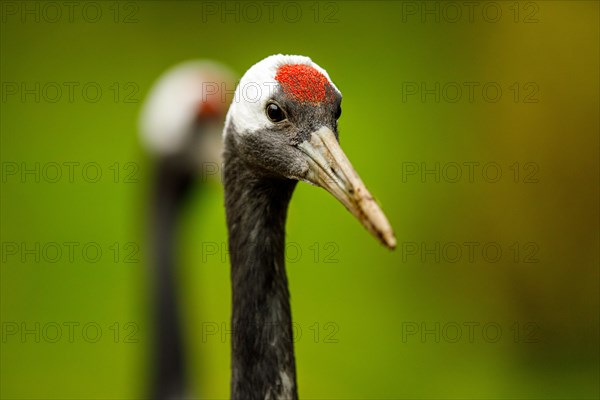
(262, 353)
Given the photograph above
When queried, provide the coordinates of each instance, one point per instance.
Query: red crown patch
(304, 83)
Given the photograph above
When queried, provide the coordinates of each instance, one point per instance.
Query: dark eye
(338, 112)
(275, 113)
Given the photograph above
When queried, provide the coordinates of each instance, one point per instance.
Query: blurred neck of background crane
(181, 126)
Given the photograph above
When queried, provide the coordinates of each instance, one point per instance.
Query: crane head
(183, 115)
(284, 117)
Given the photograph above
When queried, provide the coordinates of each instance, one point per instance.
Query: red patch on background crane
(304, 83)
(208, 109)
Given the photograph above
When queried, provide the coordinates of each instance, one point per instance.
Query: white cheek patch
(247, 111)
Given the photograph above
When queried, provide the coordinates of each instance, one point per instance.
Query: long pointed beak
(330, 168)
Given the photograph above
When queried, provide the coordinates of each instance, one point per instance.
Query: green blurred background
(373, 323)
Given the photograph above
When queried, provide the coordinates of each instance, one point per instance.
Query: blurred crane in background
(181, 126)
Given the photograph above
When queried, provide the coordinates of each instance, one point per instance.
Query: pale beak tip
(390, 241)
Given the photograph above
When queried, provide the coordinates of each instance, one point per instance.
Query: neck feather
(262, 358)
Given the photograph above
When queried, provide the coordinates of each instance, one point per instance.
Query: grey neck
(262, 352)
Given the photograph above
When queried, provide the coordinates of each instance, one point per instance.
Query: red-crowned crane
(180, 125)
(281, 128)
